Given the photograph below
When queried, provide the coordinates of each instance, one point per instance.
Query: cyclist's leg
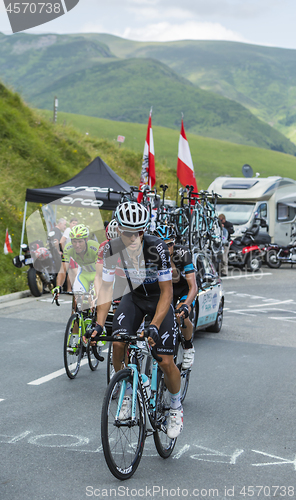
(82, 285)
(187, 333)
(165, 349)
(127, 319)
(172, 377)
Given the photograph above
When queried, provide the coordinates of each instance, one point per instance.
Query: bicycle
(123, 440)
(79, 324)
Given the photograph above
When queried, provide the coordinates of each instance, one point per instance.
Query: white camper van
(273, 198)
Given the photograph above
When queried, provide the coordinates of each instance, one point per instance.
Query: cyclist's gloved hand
(183, 308)
(151, 331)
(98, 330)
(56, 290)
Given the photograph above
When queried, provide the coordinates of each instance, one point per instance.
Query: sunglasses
(129, 234)
(170, 244)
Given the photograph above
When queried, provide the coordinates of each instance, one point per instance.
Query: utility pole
(55, 109)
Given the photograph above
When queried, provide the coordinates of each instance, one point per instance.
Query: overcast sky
(262, 22)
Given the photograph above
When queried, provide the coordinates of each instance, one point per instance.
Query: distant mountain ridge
(95, 75)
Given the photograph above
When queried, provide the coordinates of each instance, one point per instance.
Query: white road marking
(215, 453)
(251, 275)
(273, 304)
(182, 451)
(282, 460)
(53, 375)
(242, 313)
(2, 399)
(288, 320)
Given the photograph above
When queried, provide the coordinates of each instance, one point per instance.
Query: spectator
(59, 230)
(227, 229)
(65, 238)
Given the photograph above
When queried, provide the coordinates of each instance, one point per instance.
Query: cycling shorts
(129, 316)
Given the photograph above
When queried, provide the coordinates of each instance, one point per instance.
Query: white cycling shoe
(188, 358)
(175, 424)
(126, 408)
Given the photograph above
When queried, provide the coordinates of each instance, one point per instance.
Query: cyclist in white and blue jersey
(185, 288)
(146, 263)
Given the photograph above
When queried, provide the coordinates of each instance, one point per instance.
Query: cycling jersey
(182, 265)
(153, 265)
(88, 260)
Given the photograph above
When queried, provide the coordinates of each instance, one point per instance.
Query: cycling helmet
(79, 232)
(165, 232)
(131, 215)
(111, 229)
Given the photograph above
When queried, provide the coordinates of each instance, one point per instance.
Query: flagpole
(177, 192)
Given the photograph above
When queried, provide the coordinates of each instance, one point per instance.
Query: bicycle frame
(149, 401)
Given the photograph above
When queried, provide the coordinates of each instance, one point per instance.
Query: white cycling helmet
(111, 229)
(131, 215)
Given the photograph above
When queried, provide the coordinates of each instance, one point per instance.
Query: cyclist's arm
(98, 277)
(63, 241)
(62, 274)
(192, 292)
(164, 302)
(104, 301)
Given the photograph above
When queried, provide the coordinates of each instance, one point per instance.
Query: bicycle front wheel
(123, 441)
(93, 352)
(72, 347)
(163, 443)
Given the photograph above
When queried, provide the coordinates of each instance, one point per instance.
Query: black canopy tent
(94, 180)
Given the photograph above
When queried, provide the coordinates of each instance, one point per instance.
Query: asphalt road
(239, 415)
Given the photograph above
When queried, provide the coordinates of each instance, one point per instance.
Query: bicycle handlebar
(122, 337)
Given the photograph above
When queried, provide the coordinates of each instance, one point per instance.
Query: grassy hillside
(263, 79)
(211, 157)
(88, 79)
(125, 90)
(35, 153)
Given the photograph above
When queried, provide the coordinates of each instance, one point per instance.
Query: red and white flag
(185, 169)
(7, 244)
(148, 163)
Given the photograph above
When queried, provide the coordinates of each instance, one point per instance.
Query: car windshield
(237, 213)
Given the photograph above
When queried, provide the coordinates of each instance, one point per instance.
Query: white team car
(208, 313)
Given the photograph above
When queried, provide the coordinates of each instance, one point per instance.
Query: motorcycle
(44, 263)
(249, 249)
(277, 255)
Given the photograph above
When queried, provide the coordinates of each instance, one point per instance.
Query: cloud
(190, 30)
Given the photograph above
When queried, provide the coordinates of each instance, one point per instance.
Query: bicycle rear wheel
(123, 441)
(163, 443)
(72, 347)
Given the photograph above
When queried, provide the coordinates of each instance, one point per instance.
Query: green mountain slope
(263, 79)
(87, 78)
(211, 158)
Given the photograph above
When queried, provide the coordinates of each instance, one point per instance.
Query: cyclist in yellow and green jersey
(85, 253)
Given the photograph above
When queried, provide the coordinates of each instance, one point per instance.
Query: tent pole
(23, 228)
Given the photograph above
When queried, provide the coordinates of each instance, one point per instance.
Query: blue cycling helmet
(165, 232)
